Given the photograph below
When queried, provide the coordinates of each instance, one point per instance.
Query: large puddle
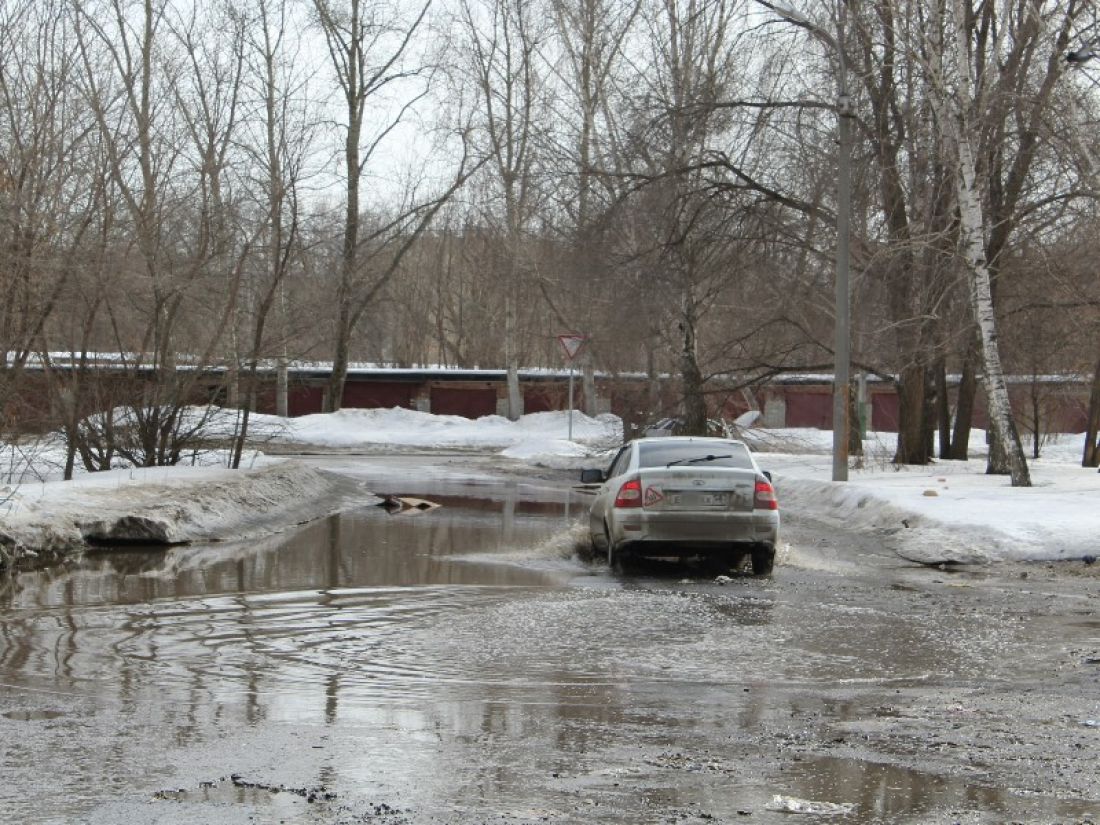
(453, 665)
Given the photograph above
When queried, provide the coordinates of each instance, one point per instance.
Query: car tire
(763, 559)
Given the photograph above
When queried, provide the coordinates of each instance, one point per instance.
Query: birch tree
(955, 99)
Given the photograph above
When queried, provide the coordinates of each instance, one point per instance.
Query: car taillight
(630, 494)
(765, 496)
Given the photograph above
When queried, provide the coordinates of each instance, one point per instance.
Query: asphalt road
(463, 665)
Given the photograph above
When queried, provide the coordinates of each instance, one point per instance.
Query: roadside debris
(320, 793)
(404, 504)
(793, 805)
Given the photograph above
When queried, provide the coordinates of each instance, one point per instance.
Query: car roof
(682, 439)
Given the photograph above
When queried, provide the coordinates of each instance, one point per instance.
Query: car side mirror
(592, 477)
(767, 474)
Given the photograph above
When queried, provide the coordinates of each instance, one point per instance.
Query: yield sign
(572, 344)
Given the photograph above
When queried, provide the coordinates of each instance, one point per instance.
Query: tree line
(240, 184)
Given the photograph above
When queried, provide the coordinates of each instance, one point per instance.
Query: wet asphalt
(465, 665)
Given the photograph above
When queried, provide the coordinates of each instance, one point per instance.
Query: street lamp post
(1077, 59)
(845, 111)
(843, 349)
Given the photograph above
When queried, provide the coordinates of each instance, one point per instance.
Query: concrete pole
(842, 350)
(570, 400)
(282, 388)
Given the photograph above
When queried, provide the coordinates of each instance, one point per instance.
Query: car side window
(618, 466)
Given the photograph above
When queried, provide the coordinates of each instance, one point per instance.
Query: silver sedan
(685, 496)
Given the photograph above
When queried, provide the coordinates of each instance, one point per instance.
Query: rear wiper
(697, 459)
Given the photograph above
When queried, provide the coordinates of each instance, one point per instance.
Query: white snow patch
(539, 438)
(948, 511)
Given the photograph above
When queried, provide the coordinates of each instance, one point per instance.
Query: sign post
(571, 343)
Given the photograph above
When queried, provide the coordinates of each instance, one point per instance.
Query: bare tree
(593, 37)
(128, 82)
(281, 132)
(370, 48)
(46, 195)
(694, 65)
(501, 38)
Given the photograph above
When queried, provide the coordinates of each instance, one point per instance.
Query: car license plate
(698, 499)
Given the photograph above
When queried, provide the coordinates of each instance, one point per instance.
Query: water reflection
(362, 548)
(456, 661)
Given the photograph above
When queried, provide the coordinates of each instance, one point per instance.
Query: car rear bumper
(694, 531)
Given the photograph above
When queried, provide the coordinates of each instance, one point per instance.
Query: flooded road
(463, 665)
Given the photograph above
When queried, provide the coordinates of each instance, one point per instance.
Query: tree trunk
(695, 405)
(653, 385)
(964, 410)
(1091, 457)
(971, 233)
(694, 400)
(334, 397)
(591, 403)
(943, 409)
(1036, 417)
(928, 415)
(855, 428)
(911, 430)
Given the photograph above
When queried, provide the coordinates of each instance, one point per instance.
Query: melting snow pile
(532, 437)
(162, 505)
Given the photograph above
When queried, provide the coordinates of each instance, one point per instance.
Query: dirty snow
(947, 512)
(161, 505)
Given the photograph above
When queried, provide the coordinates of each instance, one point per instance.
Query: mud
(463, 665)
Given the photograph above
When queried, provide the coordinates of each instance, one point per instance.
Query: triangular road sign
(572, 344)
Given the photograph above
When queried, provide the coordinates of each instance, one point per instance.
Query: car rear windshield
(694, 454)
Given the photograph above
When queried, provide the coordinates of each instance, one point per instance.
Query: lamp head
(1081, 55)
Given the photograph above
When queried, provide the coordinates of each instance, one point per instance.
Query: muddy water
(461, 665)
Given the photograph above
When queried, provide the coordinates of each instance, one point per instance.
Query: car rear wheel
(763, 559)
(612, 555)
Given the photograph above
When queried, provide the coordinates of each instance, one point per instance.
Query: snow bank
(532, 436)
(950, 511)
(161, 505)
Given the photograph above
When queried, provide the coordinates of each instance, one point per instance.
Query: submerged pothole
(237, 789)
(33, 715)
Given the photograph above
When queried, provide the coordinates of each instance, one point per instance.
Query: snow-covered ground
(539, 437)
(950, 511)
(161, 505)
